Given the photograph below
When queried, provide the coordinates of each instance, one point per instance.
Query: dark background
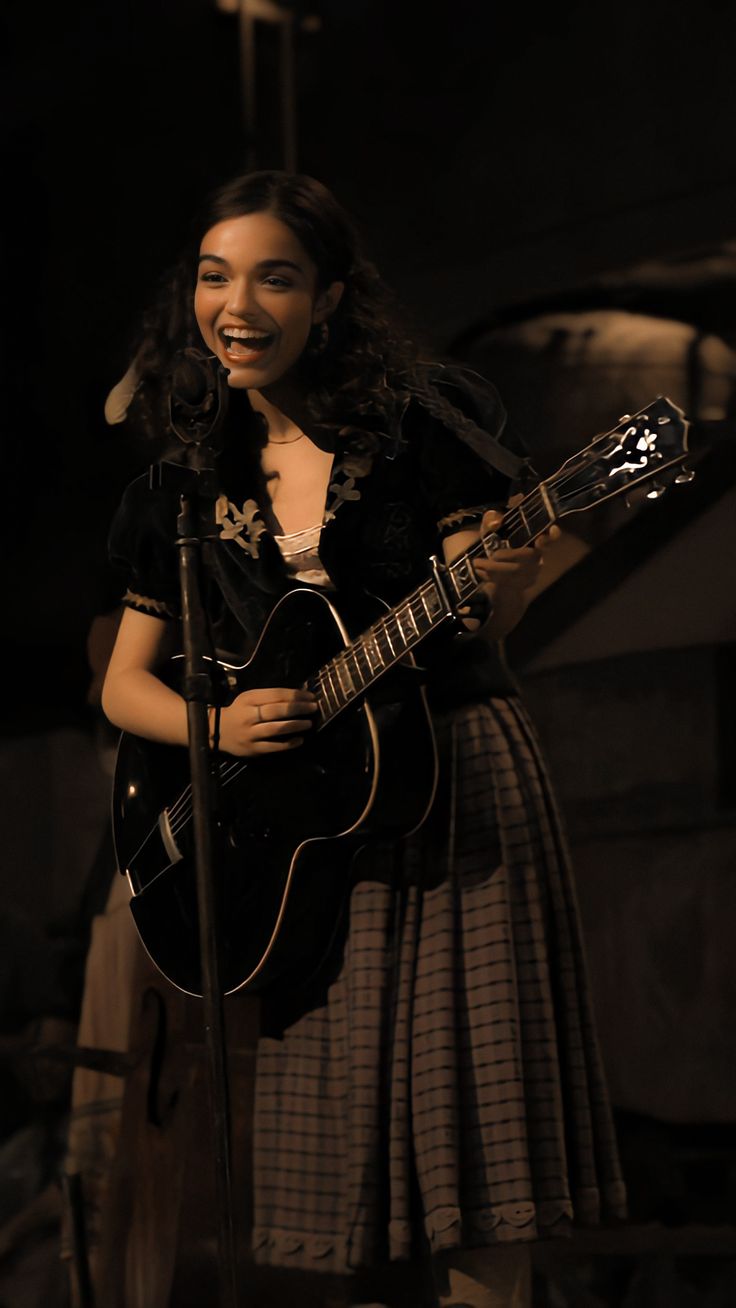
(503, 162)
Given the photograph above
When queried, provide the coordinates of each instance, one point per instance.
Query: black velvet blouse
(389, 505)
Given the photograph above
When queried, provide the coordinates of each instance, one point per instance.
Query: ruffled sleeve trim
(462, 518)
(145, 604)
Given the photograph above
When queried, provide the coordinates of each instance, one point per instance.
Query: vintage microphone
(198, 398)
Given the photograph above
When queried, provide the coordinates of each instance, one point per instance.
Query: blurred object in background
(628, 662)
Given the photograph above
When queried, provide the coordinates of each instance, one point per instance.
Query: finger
(282, 727)
(491, 520)
(277, 710)
(507, 567)
(278, 695)
(523, 575)
(553, 533)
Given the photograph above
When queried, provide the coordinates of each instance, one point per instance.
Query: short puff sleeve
(142, 549)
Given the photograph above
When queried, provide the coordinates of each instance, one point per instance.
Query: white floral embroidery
(354, 461)
(340, 491)
(245, 526)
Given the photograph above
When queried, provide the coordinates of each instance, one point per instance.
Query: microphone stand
(196, 424)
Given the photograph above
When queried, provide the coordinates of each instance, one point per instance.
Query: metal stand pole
(250, 13)
(198, 693)
(198, 403)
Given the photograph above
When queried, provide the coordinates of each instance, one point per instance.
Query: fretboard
(353, 671)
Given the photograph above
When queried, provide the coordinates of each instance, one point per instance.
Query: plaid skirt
(445, 1089)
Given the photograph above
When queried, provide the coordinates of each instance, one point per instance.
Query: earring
(320, 343)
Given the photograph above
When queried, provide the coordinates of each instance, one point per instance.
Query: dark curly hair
(364, 374)
(369, 370)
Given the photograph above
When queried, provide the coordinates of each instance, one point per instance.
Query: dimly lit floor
(678, 1252)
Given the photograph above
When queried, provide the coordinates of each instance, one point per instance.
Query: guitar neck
(353, 672)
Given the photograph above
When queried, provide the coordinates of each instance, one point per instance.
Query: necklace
(291, 440)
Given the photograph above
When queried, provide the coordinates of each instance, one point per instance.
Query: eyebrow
(263, 265)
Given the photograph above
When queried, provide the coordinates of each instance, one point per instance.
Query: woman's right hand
(266, 721)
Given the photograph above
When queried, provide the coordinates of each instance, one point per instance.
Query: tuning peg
(684, 475)
(655, 491)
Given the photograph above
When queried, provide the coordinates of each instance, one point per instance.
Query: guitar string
(185, 807)
(176, 811)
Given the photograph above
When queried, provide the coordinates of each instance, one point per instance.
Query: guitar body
(286, 824)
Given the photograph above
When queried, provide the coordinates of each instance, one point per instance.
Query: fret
(518, 536)
(372, 652)
(362, 662)
(402, 634)
(433, 606)
(323, 697)
(335, 695)
(389, 642)
(463, 576)
(343, 676)
(421, 617)
(351, 653)
(537, 518)
(414, 633)
(325, 708)
(383, 653)
(545, 494)
(525, 525)
(393, 625)
(522, 516)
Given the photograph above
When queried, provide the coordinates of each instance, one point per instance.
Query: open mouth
(242, 344)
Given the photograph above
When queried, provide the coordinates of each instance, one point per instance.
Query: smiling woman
(432, 1096)
(258, 298)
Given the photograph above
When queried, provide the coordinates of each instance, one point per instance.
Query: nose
(241, 301)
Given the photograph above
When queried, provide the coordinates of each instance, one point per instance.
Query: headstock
(648, 446)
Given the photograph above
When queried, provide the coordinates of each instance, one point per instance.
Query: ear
(327, 301)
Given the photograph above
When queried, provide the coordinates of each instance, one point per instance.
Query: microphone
(197, 396)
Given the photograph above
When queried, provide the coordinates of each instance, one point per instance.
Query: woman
(435, 1101)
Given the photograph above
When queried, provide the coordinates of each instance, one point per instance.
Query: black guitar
(367, 770)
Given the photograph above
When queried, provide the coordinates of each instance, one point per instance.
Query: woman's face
(257, 298)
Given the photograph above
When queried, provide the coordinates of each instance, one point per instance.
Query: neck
(282, 405)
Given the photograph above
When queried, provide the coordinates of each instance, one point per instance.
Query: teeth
(242, 334)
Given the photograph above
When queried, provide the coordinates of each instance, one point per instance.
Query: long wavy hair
(368, 369)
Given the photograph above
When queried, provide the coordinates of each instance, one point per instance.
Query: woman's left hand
(508, 576)
(517, 568)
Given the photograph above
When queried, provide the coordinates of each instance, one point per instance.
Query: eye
(213, 278)
(278, 283)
